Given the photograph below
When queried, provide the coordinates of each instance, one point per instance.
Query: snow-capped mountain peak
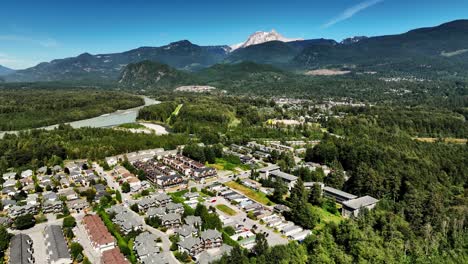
(260, 37)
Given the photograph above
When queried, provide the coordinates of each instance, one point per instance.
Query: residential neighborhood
(157, 206)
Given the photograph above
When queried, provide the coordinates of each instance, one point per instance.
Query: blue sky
(35, 31)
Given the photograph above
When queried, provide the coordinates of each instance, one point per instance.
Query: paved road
(273, 238)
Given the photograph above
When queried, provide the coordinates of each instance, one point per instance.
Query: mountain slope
(181, 55)
(277, 53)
(5, 71)
(149, 74)
(443, 47)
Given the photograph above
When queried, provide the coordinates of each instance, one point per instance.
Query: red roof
(113, 256)
(97, 231)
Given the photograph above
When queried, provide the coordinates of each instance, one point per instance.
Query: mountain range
(5, 71)
(441, 50)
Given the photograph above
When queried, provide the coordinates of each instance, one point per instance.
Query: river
(106, 120)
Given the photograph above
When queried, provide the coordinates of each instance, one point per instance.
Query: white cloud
(351, 11)
(44, 42)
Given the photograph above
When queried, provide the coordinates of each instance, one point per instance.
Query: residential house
(9, 176)
(209, 257)
(9, 183)
(56, 168)
(10, 191)
(77, 206)
(113, 256)
(49, 196)
(265, 172)
(125, 219)
(69, 194)
(52, 206)
(211, 238)
(155, 212)
(32, 199)
(97, 232)
(174, 208)
(192, 245)
(338, 195)
(172, 220)
(42, 170)
(56, 246)
(186, 231)
(26, 174)
(8, 203)
(288, 179)
(21, 250)
(351, 208)
(192, 220)
(16, 210)
(146, 248)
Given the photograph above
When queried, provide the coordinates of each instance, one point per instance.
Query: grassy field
(445, 140)
(222, 164)
(132, 125)
(175, 113)
(252, 194)
(326, 217)
(226, 209)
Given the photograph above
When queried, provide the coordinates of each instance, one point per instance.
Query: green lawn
(226, 209)
(252, 194)
(175, 113)
(222, 164)
(132, 125)
(326, 217)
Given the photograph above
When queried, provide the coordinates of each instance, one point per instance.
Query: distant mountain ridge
(434, 50)
(5, 70)
(181, 55)
(260, 37)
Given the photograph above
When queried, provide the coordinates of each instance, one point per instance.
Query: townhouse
(97, 232)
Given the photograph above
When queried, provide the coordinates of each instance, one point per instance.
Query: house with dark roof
(211, 238)
(338, 195)
(192, 245)
(56, 246)
(186, 231)
(154, 212)
(21, 250)
(171, 220)
(52, 207)
(147, 249)
(352, 208)
(287, 178)
(174, 208)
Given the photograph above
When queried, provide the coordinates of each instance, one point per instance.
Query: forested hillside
(423, 208)
(30, 108)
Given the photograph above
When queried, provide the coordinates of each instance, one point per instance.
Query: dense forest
(31, 108)
(413, 121)
(421, 217)
(37, 147)
(224, 118)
